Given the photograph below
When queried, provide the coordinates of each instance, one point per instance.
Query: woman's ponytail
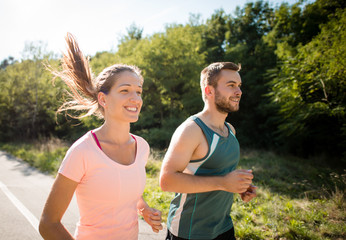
(77, 75)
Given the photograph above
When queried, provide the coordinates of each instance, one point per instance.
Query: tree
(171, 62)
(310, 92)
(245, 44)
(133, 32)
(27, 97)
(214, 36)
(6, 62)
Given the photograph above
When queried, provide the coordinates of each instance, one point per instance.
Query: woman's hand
(151, 215)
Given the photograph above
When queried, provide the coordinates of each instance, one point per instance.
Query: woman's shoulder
(141, 141)
(143, 148)
(82, 143)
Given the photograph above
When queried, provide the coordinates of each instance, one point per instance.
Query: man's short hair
(210, 74)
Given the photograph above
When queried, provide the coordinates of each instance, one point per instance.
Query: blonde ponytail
(77, 75)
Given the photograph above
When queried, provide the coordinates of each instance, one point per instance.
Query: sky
(97, 24)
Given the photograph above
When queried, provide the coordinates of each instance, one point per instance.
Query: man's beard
(223, 105)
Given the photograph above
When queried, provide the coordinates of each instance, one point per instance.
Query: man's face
(227, 92)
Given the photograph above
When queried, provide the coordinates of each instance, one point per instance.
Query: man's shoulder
(188, 131)
(189, 126)
(186, 138)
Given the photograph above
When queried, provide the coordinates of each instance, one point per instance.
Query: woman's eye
(124, 90)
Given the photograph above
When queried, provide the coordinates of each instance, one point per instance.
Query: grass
(45, 154)
(153, 194)
(296, 198)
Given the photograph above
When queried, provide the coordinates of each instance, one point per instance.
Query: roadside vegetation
(293, 102)
(293, 74)
(297, 198)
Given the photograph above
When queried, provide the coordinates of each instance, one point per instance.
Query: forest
(293, 74)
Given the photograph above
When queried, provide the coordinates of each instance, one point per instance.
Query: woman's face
(124, 101)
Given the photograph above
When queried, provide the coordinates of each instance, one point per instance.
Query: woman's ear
(101, 97)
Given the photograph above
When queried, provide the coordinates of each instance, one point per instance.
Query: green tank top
(206, 215)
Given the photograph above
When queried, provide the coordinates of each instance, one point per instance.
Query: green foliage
(297, 199)
(246, 45)
(6, 62)
(153, 194)
(310, 90)
(293, 70)
(171, 63)
(133, 32)
(214, 35)
(45, 154)
(101, 60)
(28, 98)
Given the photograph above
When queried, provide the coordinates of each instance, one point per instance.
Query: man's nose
(238, 92)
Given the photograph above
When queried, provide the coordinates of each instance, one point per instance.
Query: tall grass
(296, 198)
(45, 154)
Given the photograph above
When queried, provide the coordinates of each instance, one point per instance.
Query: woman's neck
(114, 132)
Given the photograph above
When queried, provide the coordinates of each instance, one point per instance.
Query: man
(201, 160)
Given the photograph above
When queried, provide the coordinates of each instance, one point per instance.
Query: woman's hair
(84, 88)
(210, 74)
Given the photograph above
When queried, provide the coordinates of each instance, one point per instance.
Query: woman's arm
(58, 200)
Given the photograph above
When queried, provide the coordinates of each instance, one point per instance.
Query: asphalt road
(23, 192)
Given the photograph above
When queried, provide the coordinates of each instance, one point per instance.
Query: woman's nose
(135, 97)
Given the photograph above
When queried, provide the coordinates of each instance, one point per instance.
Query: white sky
(97, 24)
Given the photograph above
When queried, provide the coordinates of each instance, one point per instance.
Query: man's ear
(208, 91)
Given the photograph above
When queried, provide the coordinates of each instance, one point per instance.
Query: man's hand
(249, 194)
(153, 217)
(237, 181)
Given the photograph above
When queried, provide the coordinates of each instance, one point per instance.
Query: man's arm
(250, 193)
(184, 143)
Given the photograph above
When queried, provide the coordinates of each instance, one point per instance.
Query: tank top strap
(229, 130)
(208, 133)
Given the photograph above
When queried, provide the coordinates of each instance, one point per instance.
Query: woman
(106, 166)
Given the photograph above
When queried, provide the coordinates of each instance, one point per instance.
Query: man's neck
(211, 116)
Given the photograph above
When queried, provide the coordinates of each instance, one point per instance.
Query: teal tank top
(206, 215)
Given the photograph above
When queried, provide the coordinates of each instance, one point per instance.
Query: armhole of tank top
(228, 125)
(199, 122)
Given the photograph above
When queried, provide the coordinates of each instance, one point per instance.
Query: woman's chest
(110, 183)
